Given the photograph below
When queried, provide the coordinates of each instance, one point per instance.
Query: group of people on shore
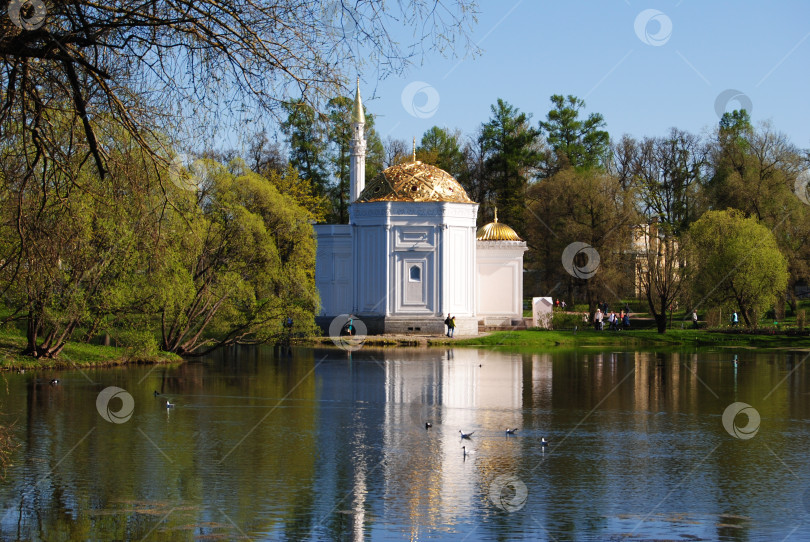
(616, 322)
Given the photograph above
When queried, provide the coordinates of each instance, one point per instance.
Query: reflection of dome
(495, 231)
(414, 181)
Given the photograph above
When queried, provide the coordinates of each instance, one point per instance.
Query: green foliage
(511, 148)
(137, 344)
(240, 261)
(340, 136)
(442, 148)
(575, 143)
(568, 320)
(308, 144)
(734, 262)
(801, 319)
(587, 206)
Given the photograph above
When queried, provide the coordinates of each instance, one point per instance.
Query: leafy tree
(587, 206)
(511, 148)
(241, 261)
(735, 261)
(755, 170)
(375, 151)
(307, 140)
(73, 245)
(573, 142)
(442, 148)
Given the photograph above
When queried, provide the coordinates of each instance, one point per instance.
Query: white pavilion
(411, 255)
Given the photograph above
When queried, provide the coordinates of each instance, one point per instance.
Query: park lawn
(645, 338)
(75, 354)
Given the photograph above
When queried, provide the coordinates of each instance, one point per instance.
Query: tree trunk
(661, 322)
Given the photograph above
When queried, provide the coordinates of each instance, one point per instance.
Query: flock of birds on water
(468, 436)
(464, 436)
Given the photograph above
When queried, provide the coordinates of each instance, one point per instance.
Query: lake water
(323, 445)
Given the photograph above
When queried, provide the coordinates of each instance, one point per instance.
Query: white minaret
(358, 163)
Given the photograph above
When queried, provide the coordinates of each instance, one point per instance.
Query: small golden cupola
(496, 231)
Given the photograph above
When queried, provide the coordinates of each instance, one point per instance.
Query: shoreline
(74, 356)
(80, 355)
(547, 339)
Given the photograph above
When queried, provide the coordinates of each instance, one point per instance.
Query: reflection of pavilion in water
(420, 475)
(392, 467)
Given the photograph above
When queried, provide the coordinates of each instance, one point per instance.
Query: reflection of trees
(115, 484)
(346, 453)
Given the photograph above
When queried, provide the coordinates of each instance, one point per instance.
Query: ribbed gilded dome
(414, 181)
(496, 231)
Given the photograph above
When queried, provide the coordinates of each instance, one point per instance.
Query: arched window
(415, 274)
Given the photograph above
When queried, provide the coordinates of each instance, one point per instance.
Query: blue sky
(645, 66)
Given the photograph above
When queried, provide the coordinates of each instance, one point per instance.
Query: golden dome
(414, 181)
(495, 231)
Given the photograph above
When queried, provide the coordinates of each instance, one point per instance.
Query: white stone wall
(499, 281)
(334, 268)
(391, 238)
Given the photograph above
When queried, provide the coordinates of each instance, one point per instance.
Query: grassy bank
(630, 339)
(75, 354)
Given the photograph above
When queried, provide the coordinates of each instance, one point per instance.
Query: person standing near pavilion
(451, 327)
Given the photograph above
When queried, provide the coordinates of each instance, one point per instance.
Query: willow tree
(735, 262)
(239, 261)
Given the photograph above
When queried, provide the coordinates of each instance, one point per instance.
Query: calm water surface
(320, 445)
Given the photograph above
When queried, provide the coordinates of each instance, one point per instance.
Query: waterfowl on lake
(466, 452)
(428, 425)
(511, 431)
(156, 393)
(466, 435)
(543, 442)
(168, 404)
(54, 382)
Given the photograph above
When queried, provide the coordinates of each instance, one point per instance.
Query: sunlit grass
(12, 343)
(632, 339)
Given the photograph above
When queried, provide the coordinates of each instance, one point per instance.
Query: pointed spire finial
(357, 110)
(414, 149)
(496, 214)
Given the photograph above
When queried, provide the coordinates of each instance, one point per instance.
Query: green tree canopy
(735, 262)
(307, 139)
(573, 142)
(442, 148)
(755, 170)
(511, 148)
(586, 206)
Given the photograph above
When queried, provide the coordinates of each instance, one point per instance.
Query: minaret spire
(357, 109)
(357, 170)
(414, 149)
